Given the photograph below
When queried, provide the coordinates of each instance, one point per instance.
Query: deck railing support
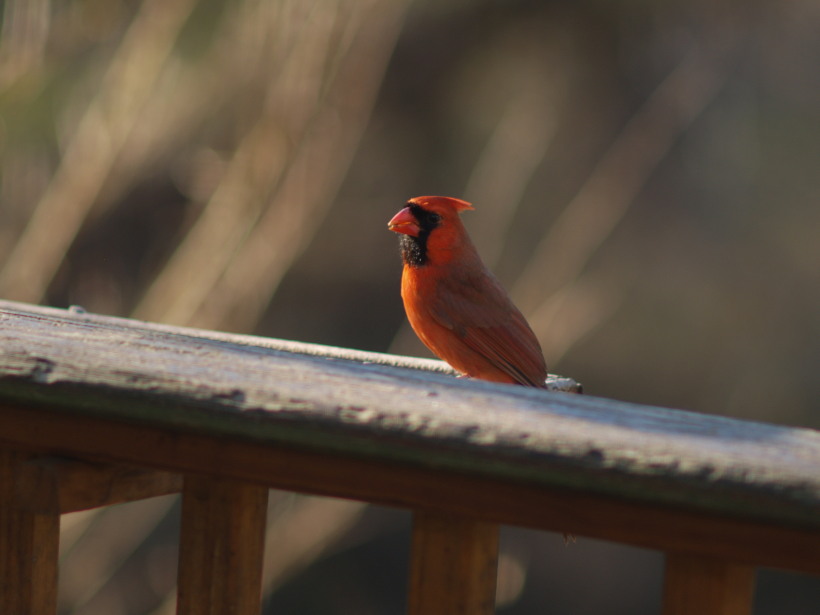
(453, 565)
(698, 585)
(29, 545)
(97, 411)
(221, 547)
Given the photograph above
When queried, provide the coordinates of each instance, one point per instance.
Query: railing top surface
(371, 407)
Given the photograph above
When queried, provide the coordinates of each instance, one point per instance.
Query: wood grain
(61, 485)
(453, 565)
(29, 543)
(583, 514)
(697, 585)
(221, 547)
(245, 409)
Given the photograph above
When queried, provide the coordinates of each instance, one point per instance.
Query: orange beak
(404, 222)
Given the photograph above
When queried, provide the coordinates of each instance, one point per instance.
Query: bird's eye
(434, 218)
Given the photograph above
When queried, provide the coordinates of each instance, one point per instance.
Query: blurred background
(645, 177)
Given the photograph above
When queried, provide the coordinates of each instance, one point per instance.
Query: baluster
(221, 547)
(454, 563)
(699, 585)
(29, 546)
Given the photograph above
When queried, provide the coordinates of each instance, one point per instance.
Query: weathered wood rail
(96, 410)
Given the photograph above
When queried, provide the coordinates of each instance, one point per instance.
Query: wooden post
(29, 546)
(698, 585)
(454, 564)
(221, 547)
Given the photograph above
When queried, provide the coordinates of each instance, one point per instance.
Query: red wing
(481, 314)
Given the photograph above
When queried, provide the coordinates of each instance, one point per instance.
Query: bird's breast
(418, 289)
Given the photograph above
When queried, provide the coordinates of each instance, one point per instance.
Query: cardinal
(455, 304)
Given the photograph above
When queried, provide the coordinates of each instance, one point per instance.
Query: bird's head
(430, 228)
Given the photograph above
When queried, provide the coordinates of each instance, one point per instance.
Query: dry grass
(223, 164)
(304, 76)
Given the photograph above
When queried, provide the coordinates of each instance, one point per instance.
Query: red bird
(454, 304)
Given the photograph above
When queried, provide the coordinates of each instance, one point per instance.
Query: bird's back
(464, 316)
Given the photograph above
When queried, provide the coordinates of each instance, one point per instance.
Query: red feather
(455, 305)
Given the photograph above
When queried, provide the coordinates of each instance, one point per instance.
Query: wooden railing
(97, 410)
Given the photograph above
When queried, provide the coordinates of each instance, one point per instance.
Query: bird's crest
(442, 201)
